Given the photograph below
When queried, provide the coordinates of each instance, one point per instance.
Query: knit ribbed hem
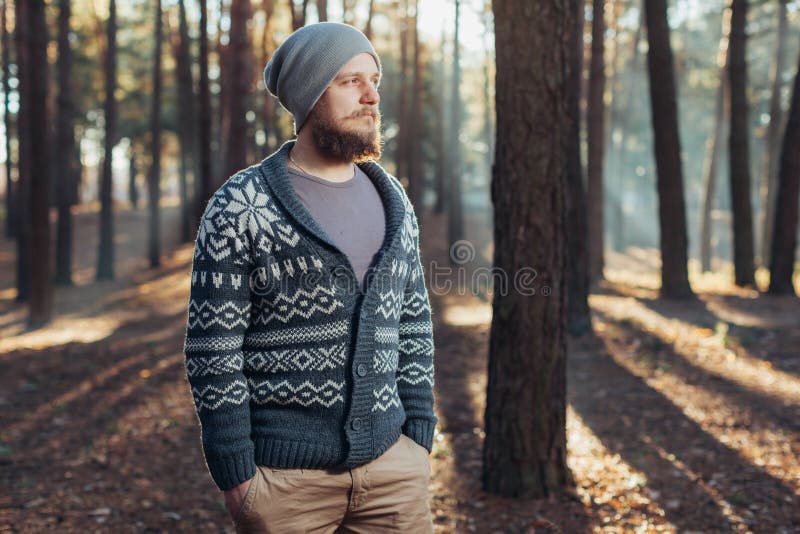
(421, 431)
(230, 471)
(295, 454)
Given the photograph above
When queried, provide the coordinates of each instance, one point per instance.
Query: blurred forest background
(121, 118)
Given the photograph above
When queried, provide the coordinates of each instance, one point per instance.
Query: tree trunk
(368, 25)
(133, 187)
(66, 167)
(455, 223)
(298, 17)
(188, 130)
(348, 7)
(269, 115)
(154, 176)
(714, 144)
(414, 147)
(739, 150)
(664, 109)
(21, 36)
(524, 452)
(403, 135)
(204, 186)
(322, 10)
(105, 257)
(440, 180)
(596, 141)
(784, 238)
(577, 270)
(38, 208)
(771, 158)
(240, 71)
(10, 185)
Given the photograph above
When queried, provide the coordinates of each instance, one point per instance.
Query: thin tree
(21, 36)
(784, 238)
(414, 147)
(298, 15)
(368, 25)
(187, 134)
(38, 208)
(268, 114)
(440, 144)
(240, 72)
(579, 319)
(403, 135)
(133, 170)
(771, 154)
(204, 186)
(6, 58)
(154, 176)
(455, 223)
(739, 150)
(322, 10)
(66, 171)
(596, 140)
(524, 453)
(667, 146)
(105, 257)
(714, 143)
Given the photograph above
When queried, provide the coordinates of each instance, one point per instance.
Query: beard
(333, 139)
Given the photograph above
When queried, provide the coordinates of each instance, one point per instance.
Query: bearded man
(309, 341)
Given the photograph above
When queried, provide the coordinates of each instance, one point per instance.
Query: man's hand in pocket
(234, 498)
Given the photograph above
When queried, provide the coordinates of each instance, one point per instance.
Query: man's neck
(309, 159)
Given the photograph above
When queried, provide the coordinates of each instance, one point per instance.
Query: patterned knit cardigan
(290, 362)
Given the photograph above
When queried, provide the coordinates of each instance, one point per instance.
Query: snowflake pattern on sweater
(290, 362)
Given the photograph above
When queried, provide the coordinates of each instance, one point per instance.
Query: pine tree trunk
(771, 158)
(268, 113)
(10, 184)
(154, 176)
(401, 147)
(415, 174)
(322, 10)
(187, 127)
(455, 223)
(66, 166)
(714, 144)
(38, 208)
(664, 109)
(440, 179)
(739, 150)
(368, 25)
(579, 319)
(21, 37)
(524, 452)
(204, 186)
(105, 257)
(596, 139)
(784, 238)
(240, 71)
(133, 188)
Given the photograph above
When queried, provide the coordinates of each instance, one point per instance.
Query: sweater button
(356, 424)
(361, 369)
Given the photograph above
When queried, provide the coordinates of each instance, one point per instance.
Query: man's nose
(370, 95)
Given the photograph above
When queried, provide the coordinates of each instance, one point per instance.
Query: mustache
(374, 113)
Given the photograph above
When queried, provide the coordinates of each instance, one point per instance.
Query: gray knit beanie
(302, 67)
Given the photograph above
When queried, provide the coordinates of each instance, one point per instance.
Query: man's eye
(353, 80)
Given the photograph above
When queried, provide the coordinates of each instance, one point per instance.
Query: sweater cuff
(421, 431)
(230, 471)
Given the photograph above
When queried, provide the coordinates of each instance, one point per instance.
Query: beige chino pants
(388, 494)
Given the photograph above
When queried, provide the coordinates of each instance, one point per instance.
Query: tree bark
(322, 10)
(204, 186)
(21, 37)
(579, 319)
(10, 184)
(784, 238)
(455, 222)
(524, 452)
(739, 150)
(414, 147)
(105, 257)
(66, 168)
(154, 176)
(664, 110)
(187, 127)
(771, 158)
(133, 187)
(596, 141)
(38, 208)
(714, 144)
(240, 72)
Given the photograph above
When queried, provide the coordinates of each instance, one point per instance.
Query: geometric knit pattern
(291, 361)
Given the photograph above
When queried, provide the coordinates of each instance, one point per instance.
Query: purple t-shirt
(350, 212)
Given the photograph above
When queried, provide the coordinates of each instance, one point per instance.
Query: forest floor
(682, 416)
